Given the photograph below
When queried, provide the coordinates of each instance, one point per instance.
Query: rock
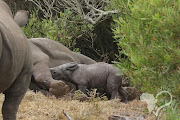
(118, 117)
(133, 93)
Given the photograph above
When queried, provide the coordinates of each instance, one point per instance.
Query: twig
(67, 116)
(92, 11)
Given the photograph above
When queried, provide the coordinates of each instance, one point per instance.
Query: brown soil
(38, 107)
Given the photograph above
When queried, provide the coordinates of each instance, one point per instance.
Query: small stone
(133, 93)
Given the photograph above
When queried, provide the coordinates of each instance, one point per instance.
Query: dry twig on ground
(67, 116)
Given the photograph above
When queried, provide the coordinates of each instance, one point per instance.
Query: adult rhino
(46, 54)
(15, 63)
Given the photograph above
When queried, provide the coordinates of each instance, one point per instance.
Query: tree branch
(92, 11)
(67, 116)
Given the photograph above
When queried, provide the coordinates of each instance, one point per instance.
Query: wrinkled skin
(15, 63)
(48, 53)
(98, 75)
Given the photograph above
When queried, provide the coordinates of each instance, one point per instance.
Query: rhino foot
(59, 88)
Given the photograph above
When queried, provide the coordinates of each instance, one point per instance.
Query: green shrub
(148, 31)
(172, 111)
(64, 28)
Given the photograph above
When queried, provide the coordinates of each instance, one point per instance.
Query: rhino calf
(98, 75)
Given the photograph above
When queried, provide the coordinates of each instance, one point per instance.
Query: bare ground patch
(38, 107)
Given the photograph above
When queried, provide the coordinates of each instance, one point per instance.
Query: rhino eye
(54, 73)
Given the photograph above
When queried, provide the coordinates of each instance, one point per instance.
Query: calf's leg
(114, 93)
(113, 83)
(82, 88)
(124, 95)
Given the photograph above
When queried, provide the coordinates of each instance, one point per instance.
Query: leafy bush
(172, 111)
(64, 28)
(148, 31)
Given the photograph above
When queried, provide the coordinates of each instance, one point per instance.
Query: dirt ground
(39, 107)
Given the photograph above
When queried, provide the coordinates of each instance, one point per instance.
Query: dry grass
(38, 107)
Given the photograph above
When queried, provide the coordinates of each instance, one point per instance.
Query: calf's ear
(72, 66)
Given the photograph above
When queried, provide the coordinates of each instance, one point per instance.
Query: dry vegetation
(38, 107)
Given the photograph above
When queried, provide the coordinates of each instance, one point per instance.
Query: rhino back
(93, 75)
(14, 50)
(37, 54)
(58, 54)
(82, 59)
(44, 43)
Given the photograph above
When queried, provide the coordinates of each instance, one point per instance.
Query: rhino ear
(72, 66)
(21, 17)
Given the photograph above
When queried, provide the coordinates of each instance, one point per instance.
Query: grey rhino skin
(96, 75)
(15, 63)
(21, 17)
(48, 53)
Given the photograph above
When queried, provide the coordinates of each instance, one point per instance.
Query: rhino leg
(14, 95)
(124, 94)
(83, 88)
(114, 93)
(112, 86)
(36, 88)
(44, 79)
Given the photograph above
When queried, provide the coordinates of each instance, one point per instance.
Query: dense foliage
(148, 31)
(75, 33)
(149, 34)
(99, 44)
(65, 28)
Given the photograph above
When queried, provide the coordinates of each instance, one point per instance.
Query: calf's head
(63, 72)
